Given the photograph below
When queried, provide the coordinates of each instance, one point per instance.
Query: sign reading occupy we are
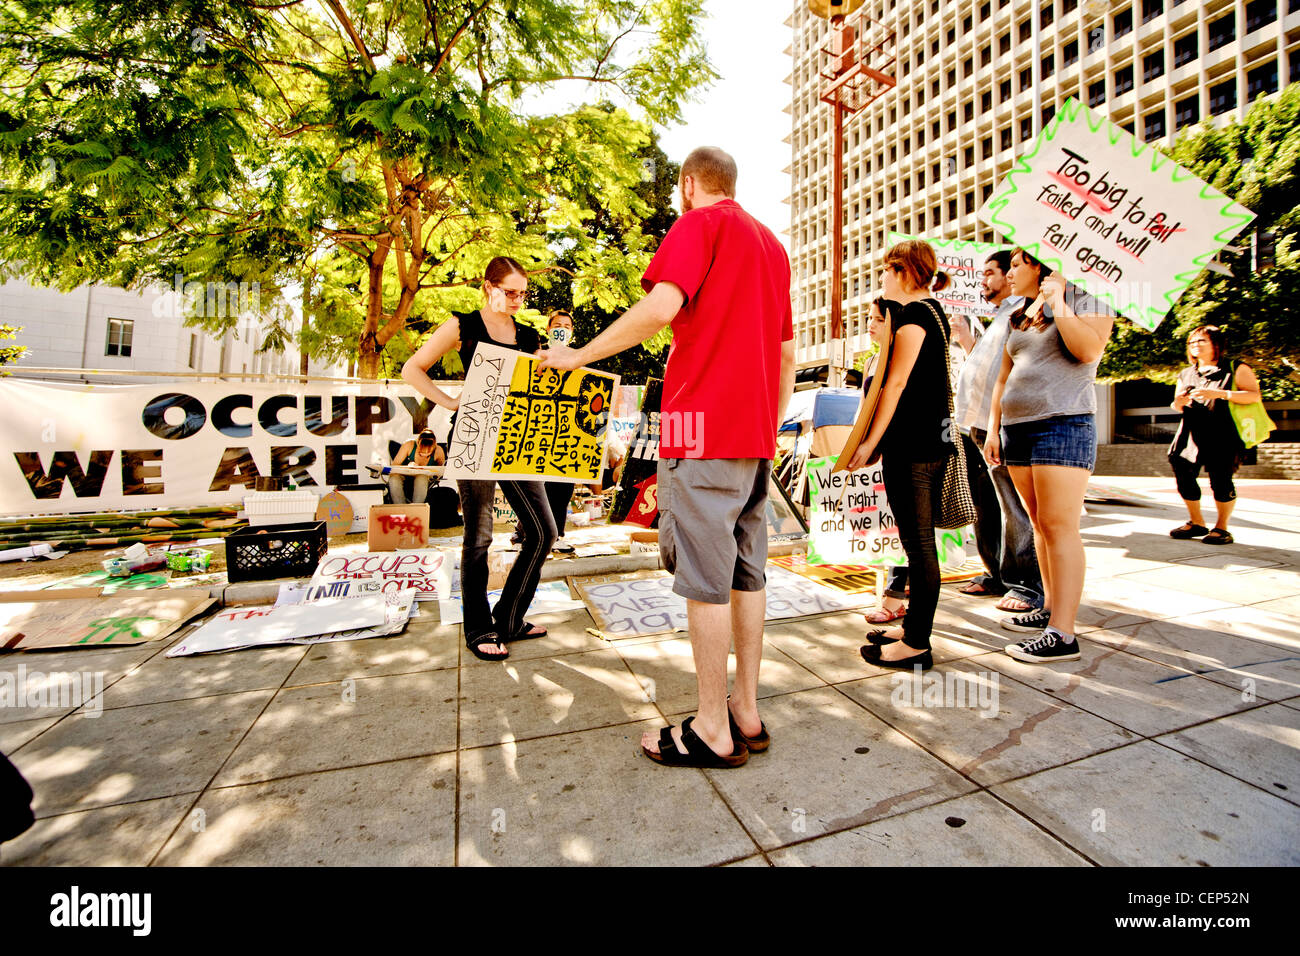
(963, 260)
(82, 448)
(1115, 216)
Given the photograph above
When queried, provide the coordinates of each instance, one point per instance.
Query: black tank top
(473, 331)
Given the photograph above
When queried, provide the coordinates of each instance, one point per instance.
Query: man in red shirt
(723, 280)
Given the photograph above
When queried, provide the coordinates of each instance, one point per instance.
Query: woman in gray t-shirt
(1042, 427)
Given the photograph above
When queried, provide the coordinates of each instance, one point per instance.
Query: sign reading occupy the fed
(83, 448)
(1115, 216)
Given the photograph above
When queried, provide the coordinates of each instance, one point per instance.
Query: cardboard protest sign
(427, 573)
(398, 526)
(1115, 216)
(963, 260)
(849, 519)
(641, 603)
(95, 622)
(517, 422)
(642, 460)
(851, 579)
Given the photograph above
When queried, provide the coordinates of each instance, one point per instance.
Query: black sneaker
(1029, 622)
(1047, 648)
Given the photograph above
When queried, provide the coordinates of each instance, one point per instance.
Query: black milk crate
(275, 551)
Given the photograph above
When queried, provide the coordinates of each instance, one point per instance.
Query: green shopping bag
(1253, 424)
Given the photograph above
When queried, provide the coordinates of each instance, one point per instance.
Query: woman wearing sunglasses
(505, 287)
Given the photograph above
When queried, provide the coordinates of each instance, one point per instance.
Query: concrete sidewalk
(1176, 740)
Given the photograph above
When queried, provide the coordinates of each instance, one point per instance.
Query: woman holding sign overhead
(505, 287)
(1042, 427)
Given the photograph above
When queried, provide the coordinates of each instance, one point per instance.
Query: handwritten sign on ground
(397, 526)
(515, 421)
(328, 619)
(427, 572)
(644, 603)
(848, 578)
(111, 620)
(1115, 216)
(849, 518)
(963, 260)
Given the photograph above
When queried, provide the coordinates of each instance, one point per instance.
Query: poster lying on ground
(1117, 217)
(427, 573)
(88, 448)
(112, 620)
(963, 260)
(517, 422)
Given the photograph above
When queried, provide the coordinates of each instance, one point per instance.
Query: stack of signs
(518, 422)
(635, 499)
(963, 260)
(1115, 216)
(427, 573)
(321, 617)
(849, 519)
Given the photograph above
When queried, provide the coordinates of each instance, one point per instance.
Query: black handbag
(956, 506)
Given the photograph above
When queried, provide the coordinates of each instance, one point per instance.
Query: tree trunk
(368, 346)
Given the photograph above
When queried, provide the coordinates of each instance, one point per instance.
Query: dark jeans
(558, 494)
(913, 489)
(536, 524)
(1189, 489)
(896, 583)
(1004, 535)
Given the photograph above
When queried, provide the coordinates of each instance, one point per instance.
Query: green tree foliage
(373, 155)
(1257, 163)
(10, 353)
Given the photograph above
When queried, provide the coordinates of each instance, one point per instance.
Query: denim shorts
(1066, 440)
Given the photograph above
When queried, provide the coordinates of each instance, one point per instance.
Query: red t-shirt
(724, 366)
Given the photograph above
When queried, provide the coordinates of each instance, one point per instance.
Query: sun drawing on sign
(593, 404)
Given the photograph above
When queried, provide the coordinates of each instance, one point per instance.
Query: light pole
(860, 63)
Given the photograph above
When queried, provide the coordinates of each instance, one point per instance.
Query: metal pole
(837, 214)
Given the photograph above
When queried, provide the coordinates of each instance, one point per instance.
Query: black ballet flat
(871, 654)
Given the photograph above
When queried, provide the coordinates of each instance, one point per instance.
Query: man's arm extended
(786, 387)
(631, 328)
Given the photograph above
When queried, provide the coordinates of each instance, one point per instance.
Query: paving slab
(125, 835)
(16, 733)
(518, 700)
(1266, 671)
(1264, 585)
(590, 798)
(1146, 805)
(1140, 695)
(1260, 746)
(353, 722)
(866, 770)
(421, 649)
(1030, 731)
(399, 813)
(1143, 599)
(93, 669)
(666, 669)
(135, 753)
(164, 678)
(974, 830)
(567, 633)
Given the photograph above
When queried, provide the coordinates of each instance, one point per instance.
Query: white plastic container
(280, 507)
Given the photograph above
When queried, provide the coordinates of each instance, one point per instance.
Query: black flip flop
(523, 634)
(491, 637)
(698, 753)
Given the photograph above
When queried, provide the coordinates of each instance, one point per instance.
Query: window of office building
(934, 215)
(969, 157)
(1124, 79)
(1045, 14)
(194, 350)
(1026, 78)
(1153, 65)
(1026, 129)
(934, 88)
(1222, 31)
(1004, 91)
(986, 101)
(1187, 111)
(1223, 97)
(1097, 93)
(1261, 81)
(1152, 9)
(893, 154)
(920, 137)
(970, 203)
(1026, 30)
(934, 48)
(986, 192)
(952, 78)
(1070, 53)
(967, 67)
(120, 333)
(1260, 13)
(952, 36)
(935, 130)
(952, 121)
(1005, 141)
(1068, 6)
(986, 56)
(986, 11)
(968, 112)
(934, 173)
(1122, 23)
(952, 209)
(967, 26)
(1184, 49)
(1048, 67)
(986, 148)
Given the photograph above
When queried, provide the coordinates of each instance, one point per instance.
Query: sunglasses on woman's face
(514, 295)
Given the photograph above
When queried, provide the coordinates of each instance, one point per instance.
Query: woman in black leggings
(1207, 436)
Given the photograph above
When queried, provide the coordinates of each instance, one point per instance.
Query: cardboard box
(397, 526)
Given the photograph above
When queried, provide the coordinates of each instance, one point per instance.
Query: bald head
(713, 171)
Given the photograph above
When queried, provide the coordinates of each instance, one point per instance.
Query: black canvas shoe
(1029, 622)
(1047, 648)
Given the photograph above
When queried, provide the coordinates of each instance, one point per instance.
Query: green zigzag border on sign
(893, 237)
(1148, 317)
